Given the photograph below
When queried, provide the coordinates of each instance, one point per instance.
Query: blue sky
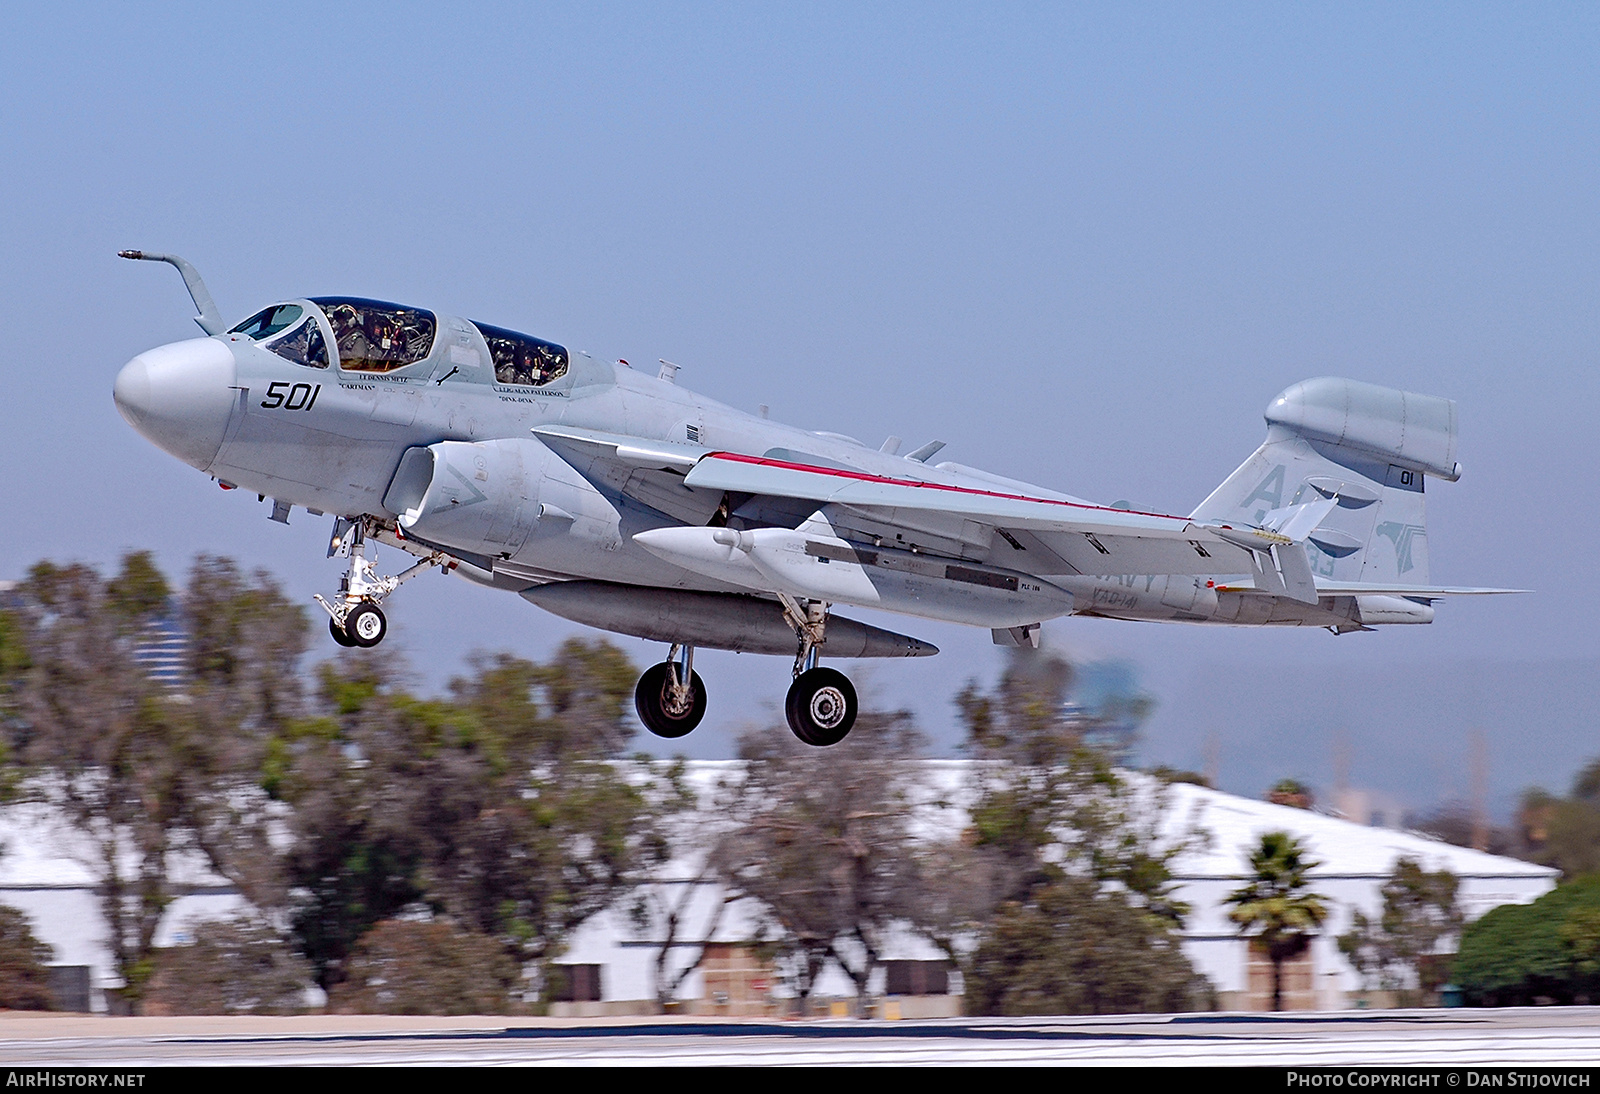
(1085, 245)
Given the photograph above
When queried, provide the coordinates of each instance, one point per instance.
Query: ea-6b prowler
(623, 501)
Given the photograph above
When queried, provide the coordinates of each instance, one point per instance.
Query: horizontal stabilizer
(1299, 521)
(1364, 588)
(1360, 588)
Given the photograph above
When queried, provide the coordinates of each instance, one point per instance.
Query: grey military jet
(626, 502)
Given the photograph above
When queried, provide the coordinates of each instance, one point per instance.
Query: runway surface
(1452, 1038)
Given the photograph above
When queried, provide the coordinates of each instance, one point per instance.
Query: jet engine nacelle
(479, 497)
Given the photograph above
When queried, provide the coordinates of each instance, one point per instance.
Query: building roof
(1229, 824)
(1342, 847)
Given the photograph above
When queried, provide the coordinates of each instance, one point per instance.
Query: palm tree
(1274, 910)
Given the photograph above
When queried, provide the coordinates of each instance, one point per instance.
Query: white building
(48, 871)
(615, 957)
(1354, 862)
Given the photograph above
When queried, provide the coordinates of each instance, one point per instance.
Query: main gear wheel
(821, 706)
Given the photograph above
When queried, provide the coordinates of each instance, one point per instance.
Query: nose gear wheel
(366, 626)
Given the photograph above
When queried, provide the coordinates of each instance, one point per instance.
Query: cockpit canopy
(269, 321)
(521, 358)
(373, 336)
(304, 344)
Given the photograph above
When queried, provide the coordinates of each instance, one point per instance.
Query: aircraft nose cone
(180, 397)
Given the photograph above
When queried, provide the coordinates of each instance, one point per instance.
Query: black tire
(366, 626)
(650, 700)
(338, 633)
(821, 707)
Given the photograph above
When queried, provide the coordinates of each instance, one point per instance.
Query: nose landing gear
(365, 625)
(354, 617)
(338, 634)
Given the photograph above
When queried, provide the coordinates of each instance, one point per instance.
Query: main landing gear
(354, 615)
(671, 698)
(820, 707)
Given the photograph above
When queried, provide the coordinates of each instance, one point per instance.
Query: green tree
(1291, 792)
(405, 967)
(14, 665)
(502, 808)
(245, 692)
(1171, 775)
(1062, 879)
(1399, 950)
(24, 964)
(1547, 951)
(144, 772)
(113, 752)
(1275, 910)
(1075, 947)
(241, 965)
(825, 839)
(1565, 832)
(1047, 805)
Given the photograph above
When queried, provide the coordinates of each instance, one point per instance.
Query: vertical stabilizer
(1371, 448)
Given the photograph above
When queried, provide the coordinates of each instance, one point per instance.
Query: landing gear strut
(821, 705)
(354, 617)
(670, 698)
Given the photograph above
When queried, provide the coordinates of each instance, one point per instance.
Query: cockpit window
(266, 323)
(304, 345)
(523, 359)
(372, 336)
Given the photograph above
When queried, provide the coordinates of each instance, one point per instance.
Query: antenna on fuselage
(209, 319)
(669, 371)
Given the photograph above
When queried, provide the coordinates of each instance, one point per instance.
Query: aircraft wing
(1092, 539)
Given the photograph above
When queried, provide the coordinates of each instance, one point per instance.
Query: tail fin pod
(1370, 446)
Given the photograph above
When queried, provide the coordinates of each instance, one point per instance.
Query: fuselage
(317, 404)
